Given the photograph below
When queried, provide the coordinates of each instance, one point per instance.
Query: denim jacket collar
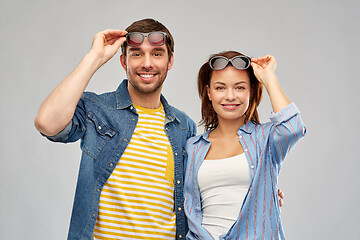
(123, 100)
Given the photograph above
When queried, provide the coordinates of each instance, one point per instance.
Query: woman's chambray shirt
(105, 124)
(265, 146)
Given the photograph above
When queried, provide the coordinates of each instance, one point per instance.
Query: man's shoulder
(107, 99)
(178, 112)
(181, 115)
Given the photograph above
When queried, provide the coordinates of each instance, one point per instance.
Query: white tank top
(223, 186)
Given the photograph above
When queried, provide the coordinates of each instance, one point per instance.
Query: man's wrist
(94, 60)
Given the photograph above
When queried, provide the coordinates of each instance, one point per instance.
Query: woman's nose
(230, 95)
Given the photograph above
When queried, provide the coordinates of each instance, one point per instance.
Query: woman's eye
(219, 88)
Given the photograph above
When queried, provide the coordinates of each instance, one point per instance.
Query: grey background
(316, 46)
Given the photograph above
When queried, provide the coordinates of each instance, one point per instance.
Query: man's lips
(147, 76)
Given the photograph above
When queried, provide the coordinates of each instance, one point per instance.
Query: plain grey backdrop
(316, 46)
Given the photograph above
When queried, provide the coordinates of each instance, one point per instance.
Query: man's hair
(209, 116)
(150, 25)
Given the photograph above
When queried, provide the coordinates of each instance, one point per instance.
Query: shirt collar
(248, 128)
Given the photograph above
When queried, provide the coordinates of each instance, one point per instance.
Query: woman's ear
(208, 91)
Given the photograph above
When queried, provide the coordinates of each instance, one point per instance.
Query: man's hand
(280, 197)
(106, 43)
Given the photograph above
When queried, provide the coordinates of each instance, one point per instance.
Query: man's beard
(145, 90)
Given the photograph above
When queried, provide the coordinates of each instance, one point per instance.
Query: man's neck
(150, 101)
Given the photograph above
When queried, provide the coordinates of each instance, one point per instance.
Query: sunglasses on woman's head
(221, 62)
(135, 39)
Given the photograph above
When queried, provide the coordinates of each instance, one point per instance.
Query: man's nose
(147, 61)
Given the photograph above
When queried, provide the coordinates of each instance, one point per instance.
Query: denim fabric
(105, 124)
(265, 147)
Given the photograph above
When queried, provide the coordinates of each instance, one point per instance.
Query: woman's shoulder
(256, 128)
(198, 138)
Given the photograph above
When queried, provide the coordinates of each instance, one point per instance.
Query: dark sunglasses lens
(156, 39)
(134, 39)
(241, 62)
(218, 63)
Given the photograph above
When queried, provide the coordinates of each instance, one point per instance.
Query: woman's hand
(264, 68)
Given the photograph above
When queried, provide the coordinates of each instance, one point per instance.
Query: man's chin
(147, 88)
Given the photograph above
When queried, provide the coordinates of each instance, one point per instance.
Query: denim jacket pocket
(96, 136)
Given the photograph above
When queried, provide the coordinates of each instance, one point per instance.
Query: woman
(231, 174)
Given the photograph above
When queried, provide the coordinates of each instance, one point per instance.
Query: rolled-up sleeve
(75, 129)
(288, 128)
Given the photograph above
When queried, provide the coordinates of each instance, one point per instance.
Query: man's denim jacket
(105, 124)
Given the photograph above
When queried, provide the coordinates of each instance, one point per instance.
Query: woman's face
(229, 92)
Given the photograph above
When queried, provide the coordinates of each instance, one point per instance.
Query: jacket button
(175, 154)
(179, 208)
(99, 127)
(125, 140)
(252, 166)
(178, 181)
(111, 165)
(93, 214)
(180, 236)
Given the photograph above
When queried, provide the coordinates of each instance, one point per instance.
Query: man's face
(146, 67)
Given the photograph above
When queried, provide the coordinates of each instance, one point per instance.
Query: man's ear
(123, 61)
(171, 61)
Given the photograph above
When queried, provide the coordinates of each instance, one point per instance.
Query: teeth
(147, 75)
(230, 105)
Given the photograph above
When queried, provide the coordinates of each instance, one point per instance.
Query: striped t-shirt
(137, 201)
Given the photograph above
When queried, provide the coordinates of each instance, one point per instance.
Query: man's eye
(157, 54)
(135, 54)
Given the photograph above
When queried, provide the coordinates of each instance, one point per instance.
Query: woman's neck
(227, 128)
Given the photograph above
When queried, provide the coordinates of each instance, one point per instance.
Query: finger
(281, 193)
(256, 66)
(114, 32)
(281, 202)
(112, 36)
(119, 42)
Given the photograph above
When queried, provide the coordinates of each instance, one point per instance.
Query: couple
(143, 172)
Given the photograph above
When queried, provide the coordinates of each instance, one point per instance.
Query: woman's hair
(209, 116)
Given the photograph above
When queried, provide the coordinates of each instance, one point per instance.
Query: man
(130, 183)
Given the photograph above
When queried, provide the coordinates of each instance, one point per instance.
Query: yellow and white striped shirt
(137, 201)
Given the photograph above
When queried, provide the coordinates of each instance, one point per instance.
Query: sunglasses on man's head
(135, 39)
(221, 62)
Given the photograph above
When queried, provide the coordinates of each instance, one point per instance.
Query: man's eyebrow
(134, 49)
(159, 49)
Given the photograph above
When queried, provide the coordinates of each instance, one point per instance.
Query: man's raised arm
(58, 108)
